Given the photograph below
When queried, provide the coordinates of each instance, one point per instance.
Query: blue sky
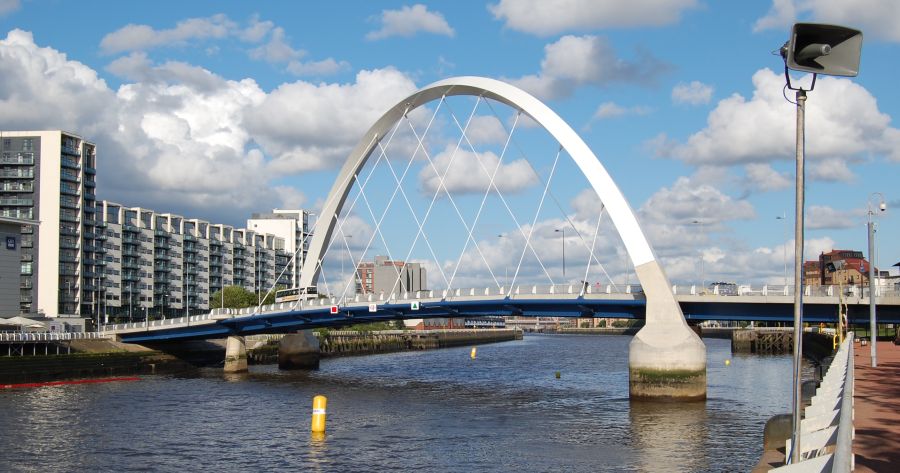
(219, 109)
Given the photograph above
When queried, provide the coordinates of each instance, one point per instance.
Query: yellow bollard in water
(318, 416)
(474, 351)
(558, 375)
(727, 362)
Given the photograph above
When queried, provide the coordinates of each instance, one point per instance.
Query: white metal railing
(826, 432)
(48, 336)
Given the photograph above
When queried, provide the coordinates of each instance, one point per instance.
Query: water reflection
(667, 435)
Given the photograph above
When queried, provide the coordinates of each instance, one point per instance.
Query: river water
(431, 411)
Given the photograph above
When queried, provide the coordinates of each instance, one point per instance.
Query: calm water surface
(425, 411)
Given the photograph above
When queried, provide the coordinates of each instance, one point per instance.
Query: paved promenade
(877, 403)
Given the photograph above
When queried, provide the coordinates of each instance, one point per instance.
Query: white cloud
(613, 110)
(545, 18)
(878, 18)
(573, 61)
(687, 201)
(319, 134)
(256, 31)
(134, 37)
(694, 93)
(824, 217)
(486, 129)
(842, 122)
(7, 6)
(277, 49)
(324, 67)
(464, 172)
(408, 21)
(762, 177)
(179, 138)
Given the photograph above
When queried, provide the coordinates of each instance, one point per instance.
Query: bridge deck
(877, 409)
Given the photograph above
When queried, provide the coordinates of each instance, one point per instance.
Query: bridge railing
(826, 432)
(48, 336)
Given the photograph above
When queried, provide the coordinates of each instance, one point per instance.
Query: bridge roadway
(767, 303)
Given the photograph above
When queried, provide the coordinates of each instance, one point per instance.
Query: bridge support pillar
(299, 351)
(666, 360)
(235, 355)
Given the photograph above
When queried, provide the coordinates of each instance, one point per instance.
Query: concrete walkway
(877, 409)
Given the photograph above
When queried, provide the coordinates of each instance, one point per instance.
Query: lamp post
(873, 327)
(563, 231)
(506, 266)
(702, 273)
(817, 49)
(783, 217)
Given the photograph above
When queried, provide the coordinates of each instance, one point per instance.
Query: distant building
(384, 276)
(837, 267)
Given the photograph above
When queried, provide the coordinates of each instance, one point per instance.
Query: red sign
(334, 309)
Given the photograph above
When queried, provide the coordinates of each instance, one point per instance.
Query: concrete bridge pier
(666, 359)
(299, 351)
(235, 355)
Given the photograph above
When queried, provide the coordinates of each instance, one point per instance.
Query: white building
(290, 225)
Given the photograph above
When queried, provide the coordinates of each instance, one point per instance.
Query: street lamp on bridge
(563, 230)
(873, 326)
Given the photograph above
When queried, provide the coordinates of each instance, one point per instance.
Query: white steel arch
(620, 212)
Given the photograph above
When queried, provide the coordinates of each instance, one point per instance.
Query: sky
(217, 109)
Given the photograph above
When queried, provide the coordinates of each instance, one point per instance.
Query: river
(431, 411)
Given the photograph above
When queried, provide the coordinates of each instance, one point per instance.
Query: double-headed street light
(873, 327)
(818, 49)
(563, 230)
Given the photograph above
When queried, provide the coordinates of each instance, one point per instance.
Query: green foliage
(236, 297)
(626, 323)
(602, 323)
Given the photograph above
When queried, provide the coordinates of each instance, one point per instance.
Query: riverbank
(98, 358)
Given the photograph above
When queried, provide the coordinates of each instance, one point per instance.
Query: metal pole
(873, 327)
(798, 278)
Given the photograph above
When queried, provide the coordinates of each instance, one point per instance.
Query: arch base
(666, 358)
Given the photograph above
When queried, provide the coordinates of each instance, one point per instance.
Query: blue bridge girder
(291, 320)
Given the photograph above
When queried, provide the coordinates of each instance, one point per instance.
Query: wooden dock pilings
(338, 343)
(762, 341)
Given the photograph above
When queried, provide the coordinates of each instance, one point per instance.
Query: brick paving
(877, 409)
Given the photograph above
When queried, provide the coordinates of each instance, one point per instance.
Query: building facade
(386, 276)
(169, 265)
(837, 267)
(82, 257)
(50, 177)
(292, 226)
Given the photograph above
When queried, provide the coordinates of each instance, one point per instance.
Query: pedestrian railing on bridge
(826, 432)
(519, 291)
(48, 336)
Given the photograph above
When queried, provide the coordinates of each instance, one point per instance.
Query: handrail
(48, 336)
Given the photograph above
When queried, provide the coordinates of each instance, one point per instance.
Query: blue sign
(10, 243)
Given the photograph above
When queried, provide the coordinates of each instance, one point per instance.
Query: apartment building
(384, 276)
(290, 225)
(49, 177)
(167, 264)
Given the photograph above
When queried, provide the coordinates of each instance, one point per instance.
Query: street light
(702, 273)
(506, 268)
(818, 49)
(783, 217)
(563, 231)
(873, 327)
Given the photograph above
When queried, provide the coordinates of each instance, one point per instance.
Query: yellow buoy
(318, 416)
(474, 351)
(558, 375)
(727, 362)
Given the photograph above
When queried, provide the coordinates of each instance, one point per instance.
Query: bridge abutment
(235, 355)
(666, 359)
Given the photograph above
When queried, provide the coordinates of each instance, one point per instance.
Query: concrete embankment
(89, 358)
(351, 343)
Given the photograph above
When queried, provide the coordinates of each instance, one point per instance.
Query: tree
(236, 297)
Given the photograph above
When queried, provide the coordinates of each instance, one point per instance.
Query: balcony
(130, 228)
(162, 233)
(18, 160)
(68, 203)
(68, 217)
(90, 183)
(18, 173)
(68, 176)
(90, 170)
(17, 187)
(27, 258)
(71, 151)
(69, 163)
(189, 237)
